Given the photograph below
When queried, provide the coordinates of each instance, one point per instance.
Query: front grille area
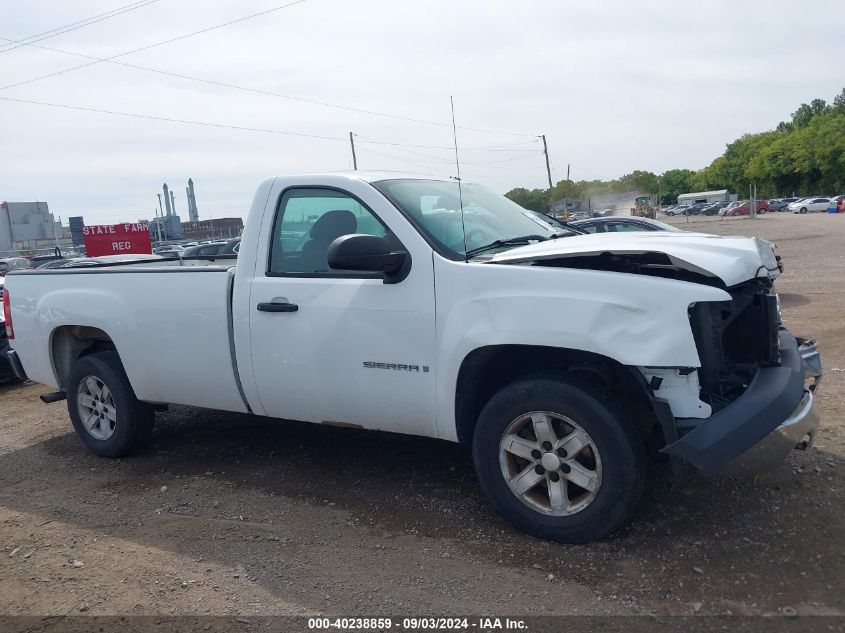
(734, 339)
(751, 336)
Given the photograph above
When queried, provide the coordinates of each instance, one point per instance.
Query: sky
(614, 86)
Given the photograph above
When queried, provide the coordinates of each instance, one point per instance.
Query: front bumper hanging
(758, 430)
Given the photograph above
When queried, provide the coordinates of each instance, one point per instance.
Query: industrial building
(167, 226)
(216, 229)
(29, 226)
(706, 197)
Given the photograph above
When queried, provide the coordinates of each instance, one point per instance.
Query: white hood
(731, 259)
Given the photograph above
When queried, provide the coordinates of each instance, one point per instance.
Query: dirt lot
(231, 514)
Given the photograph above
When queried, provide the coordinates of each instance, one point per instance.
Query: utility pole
(548, 170)
(565, 194)
(354, 159)
(752, 200)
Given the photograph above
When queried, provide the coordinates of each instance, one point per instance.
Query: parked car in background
(810, 205)
(781, 204)
(53, 263)
(9, 264)
(37, 260)
(619, 224)
(678, 209)
(743, 208)
(833, 206)
(82, 262)
(732, 205)
(697, 208)
(210, 248)
(714, 208)
(174, 250)
(232, 247)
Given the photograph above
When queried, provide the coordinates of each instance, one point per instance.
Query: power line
(439, 172)
(67, 28)
(488, 164)
(465, 149)
(173, 120)
(149, 46)
(111, 60)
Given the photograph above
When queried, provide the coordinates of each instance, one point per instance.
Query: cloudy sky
(615, 86)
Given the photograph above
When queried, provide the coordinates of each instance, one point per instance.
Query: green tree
(673, 183)
(804, 156)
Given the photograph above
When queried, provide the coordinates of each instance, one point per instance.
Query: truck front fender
(635, 320)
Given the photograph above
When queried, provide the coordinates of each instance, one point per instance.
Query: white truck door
(348, 348)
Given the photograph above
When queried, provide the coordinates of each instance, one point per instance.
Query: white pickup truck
(438, 308)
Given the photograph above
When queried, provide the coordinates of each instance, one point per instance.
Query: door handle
(278, 307)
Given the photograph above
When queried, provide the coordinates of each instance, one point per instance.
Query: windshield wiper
(513, 241)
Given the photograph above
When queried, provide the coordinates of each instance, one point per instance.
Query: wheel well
(71, 342)
(486, 370)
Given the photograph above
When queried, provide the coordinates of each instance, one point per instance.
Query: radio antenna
(458, 167)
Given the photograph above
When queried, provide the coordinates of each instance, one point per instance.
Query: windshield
(434, 206)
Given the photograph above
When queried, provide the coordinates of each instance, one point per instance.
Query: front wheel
(558, 460)
(105, 413)
(803, 209)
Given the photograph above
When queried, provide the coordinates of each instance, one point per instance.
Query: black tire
(618, 444)
(803, 209)
(133, 424)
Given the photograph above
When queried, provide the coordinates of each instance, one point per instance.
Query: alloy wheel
(97, 410)
(550, 463)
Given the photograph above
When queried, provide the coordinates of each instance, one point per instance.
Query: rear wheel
(557, 459)
(103, 408)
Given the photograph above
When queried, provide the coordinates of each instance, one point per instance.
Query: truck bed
(169, 322)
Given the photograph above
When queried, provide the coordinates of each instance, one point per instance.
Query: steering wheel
(468, 238)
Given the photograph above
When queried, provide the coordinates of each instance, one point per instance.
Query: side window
(308, 221)
(589, 228)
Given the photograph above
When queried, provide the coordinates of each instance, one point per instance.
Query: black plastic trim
(277, 307)
(15, 362)
(772, 396)
(230, 327)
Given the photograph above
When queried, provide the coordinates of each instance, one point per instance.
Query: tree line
(802, 156)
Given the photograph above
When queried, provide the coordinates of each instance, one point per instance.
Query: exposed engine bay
(734, 339)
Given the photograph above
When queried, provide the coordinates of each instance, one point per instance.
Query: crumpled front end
(759, 381)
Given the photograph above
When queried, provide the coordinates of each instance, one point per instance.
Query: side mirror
(368, 253)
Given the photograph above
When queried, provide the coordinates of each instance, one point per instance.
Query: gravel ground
(230, 514)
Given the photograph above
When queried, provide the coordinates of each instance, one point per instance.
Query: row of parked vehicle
(202, 249)
(811, 204)
(207, 249)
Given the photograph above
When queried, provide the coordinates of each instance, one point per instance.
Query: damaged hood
(731, 259)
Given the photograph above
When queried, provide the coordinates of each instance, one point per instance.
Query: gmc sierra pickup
(438, 308)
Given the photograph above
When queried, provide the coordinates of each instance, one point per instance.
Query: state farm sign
(116, 239)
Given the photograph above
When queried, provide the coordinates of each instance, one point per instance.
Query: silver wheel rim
(96, 408)
(550, 463)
